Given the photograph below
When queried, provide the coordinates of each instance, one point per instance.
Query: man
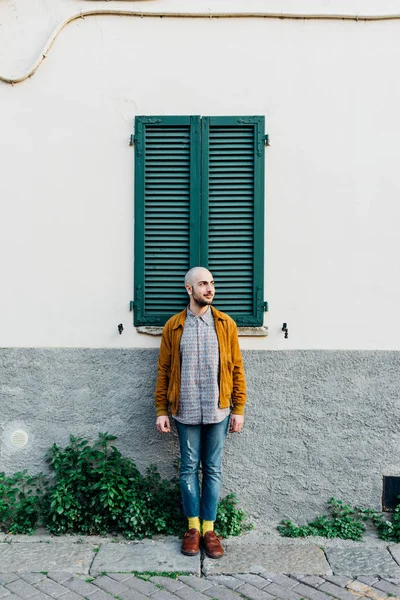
(201, 379)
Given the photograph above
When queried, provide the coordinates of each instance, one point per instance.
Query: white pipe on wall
(186, 15)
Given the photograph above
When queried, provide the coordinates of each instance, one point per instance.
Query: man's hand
(236, 423)
(162, 424)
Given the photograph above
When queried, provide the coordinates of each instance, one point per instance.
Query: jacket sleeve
(239, 380)
(164, 369)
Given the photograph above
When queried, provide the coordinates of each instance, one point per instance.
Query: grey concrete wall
(318, 423)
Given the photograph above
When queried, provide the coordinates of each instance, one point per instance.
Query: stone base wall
(318, 423)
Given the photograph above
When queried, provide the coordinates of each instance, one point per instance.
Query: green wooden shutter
(232, 242)
(167, 194)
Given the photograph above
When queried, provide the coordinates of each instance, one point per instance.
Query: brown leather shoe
(191, 542)
(212, 545)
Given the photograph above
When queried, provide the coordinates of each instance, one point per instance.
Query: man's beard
(200, 301)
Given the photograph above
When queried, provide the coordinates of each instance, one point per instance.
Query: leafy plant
(21, 501)
(95, 490)
(345, 522)
(388, 530)
(230, 519)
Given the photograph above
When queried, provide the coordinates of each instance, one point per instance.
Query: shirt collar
(206, 317)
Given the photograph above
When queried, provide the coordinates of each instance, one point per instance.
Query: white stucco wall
(330, 94)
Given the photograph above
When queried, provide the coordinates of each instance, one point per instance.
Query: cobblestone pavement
(126, 586)
(254, 567)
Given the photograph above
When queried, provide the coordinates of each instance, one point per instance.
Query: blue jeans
(201, 443)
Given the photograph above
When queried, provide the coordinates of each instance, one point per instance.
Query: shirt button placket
(199, 358)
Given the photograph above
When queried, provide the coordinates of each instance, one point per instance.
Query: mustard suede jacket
(232, 383)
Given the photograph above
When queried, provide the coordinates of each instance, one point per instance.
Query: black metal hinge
(131, 305)
(266, 140)
(132, 140)
(265, 306)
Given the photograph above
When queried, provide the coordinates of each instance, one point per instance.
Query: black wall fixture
(390, 492)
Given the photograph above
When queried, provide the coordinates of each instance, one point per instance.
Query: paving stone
(130, 595)
(37, 557)
(188, 593)
(222, 593)
(167, 582)
(148, 555)
(120, 576)
(254, 593)
(4, 592)
(68, 596)
(340, 580)
(336, 591)
(271, 558)
(393, 580)
(139, 585)
(110, 585)
(77, 585)
(256, 580)
(267, 575)
(387, 587)
(395, 552)
(40, 596)
(362, 561)
(133, 595)
(308, 592)
(283, 580)
(33, 577)
(59, 576)
(7, 578)
(117, 589)
(197, 583)
(163, 595)
(362, 589)
(21, 588)
(312, 580)
(51, 588)
(277, 591)
(226, 580)
(367, 580)
(100, 595)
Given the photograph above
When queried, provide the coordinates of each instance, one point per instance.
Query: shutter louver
(231, 206)
(166, 216)
(166, 191)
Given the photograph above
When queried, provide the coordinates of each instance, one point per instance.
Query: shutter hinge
(132, 140)
(265, 306)
(131, 305)
(266, 140)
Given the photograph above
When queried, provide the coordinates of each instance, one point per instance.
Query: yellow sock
(194, 523)
(207, 526)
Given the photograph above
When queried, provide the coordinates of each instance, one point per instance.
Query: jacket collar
(217, 314)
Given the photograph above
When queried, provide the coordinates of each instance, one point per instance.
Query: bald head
(197, 274)
(199, 285)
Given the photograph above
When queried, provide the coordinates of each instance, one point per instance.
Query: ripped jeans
(201, 443)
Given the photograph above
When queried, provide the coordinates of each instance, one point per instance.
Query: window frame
(199, 206)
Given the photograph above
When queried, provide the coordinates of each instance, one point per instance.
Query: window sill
(242, 331)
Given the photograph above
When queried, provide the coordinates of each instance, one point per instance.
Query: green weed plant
(21, 501)
(96, 490)
(231, 521)
(345, 522)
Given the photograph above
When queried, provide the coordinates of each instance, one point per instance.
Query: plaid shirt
(199, 350)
